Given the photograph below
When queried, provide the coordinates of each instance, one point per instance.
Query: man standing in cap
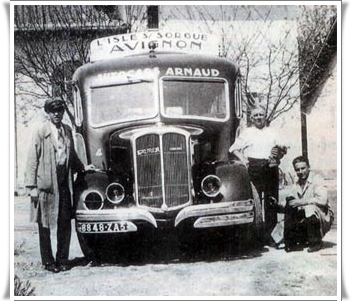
(52, 161)
(260, 149)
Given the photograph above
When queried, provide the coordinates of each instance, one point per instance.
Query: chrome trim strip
(122, 214)
(161, 128)
(164, 205)
(224, 220)
(136, 187)
(213, 209)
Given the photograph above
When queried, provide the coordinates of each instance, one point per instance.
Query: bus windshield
(205, 99)
(123, 102)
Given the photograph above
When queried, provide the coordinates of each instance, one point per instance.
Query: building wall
(322, 128)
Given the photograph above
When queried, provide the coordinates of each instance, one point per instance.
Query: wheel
(258, 220)
(248, 237)
(87, 245)
(258, 224)
(112, 248)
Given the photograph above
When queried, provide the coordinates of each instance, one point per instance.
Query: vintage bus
(155, 113)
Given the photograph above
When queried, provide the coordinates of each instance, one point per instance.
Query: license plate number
(106, 227)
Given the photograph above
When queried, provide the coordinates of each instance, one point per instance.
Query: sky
(276, 12)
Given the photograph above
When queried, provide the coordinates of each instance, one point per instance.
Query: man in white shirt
(259, 148)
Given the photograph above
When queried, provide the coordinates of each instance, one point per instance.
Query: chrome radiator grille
(162, 170)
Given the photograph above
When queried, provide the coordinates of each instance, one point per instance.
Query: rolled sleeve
(320, 196)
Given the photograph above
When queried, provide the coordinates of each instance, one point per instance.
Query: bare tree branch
(52, 41)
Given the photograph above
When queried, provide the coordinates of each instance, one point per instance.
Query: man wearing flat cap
(52, 161)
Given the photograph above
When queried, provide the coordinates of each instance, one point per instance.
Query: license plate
(106, 227)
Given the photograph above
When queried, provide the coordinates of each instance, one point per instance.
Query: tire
(109, 248)
(87, 245)
(249, 237)
(258, 224)
(258, 221)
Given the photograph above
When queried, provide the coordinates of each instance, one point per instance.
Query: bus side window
(80, 148)
(77, 103)
(238, 98)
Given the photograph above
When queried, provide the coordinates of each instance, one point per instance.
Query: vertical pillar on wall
(304, 133)
(15, 142)
(152, 17)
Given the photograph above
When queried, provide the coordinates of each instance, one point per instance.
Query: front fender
(91, 181)
(235, 181)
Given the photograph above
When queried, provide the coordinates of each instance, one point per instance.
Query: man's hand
(34, 196)
(297, 202)
(273, 202)
(275, 152)
(241, 157)
(278, 151)
(34, 193)
(244, 161)
(89, 167)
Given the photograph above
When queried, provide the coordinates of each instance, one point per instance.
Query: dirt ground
(214, 272)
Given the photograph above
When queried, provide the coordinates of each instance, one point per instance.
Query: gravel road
(216, 271)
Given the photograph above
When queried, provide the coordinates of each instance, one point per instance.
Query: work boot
(315, 247)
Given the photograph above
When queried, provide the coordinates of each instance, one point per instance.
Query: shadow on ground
(170, 248)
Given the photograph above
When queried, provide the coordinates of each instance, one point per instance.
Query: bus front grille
(162, 178)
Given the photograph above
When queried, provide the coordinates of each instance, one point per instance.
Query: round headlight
(210, 185)
(115, 193)
(93, 200)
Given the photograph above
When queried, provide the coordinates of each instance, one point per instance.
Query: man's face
(302, 170)
(56, 115)
(258, 119)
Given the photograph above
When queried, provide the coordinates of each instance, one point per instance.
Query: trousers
(63, 225)
(298, 229)
(266, 181)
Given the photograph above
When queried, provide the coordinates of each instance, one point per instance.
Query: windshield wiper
(138, 80)
(128, 80)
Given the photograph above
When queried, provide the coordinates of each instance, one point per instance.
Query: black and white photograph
(175, 150)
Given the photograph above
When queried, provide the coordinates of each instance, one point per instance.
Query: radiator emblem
(146, 151)
(176, 148)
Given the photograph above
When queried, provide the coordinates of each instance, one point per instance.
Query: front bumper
(217, 214)
(201, 216)
(122, 214)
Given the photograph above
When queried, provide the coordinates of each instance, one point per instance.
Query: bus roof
(161, 60)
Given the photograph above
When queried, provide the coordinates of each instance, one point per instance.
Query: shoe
(95, 263)
(315, 247)
(270, 244)
(293, 248)
(51, 267)
(63, 267)
(280, 246)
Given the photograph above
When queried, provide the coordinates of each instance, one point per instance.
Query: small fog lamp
(115, 193)
(210, 185)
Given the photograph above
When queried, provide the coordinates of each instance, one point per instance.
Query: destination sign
(142, 42)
